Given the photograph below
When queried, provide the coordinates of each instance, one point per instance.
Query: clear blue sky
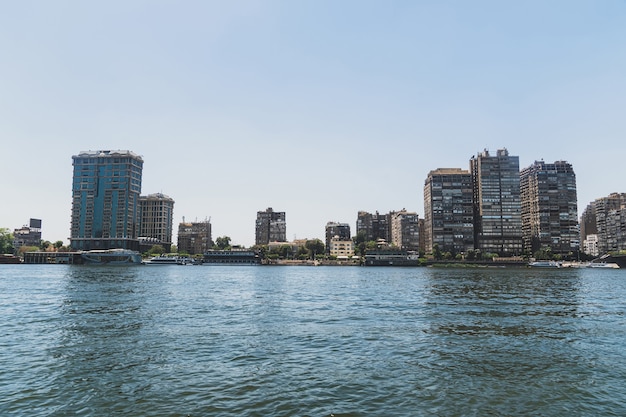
(316, 108)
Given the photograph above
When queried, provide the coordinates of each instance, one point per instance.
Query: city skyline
(319, 109)
(284, 237)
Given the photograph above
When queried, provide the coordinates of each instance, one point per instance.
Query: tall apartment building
(271, 226)
(374, 226)
(610, 223)
(549, 207)
(342, 230)
(194, 237)
(497, 205)
(105, 200)
(448, 210)
(588, 224)
(157, 219)
(405, 229)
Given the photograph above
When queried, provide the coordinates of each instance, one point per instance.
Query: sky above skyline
(316, 108)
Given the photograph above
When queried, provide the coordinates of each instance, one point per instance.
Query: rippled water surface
(311, 341)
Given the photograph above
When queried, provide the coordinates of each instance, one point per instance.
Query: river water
(311, 341)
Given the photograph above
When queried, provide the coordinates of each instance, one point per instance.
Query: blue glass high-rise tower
(105, 200)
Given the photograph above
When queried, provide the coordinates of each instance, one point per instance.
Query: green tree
(156, 250)
(284, 251)
(44, 245)
(303, 252)
(262, 250)
(58, 244)
(6, 241)
(545, 253)
(359, 243)
(23, 249)
(222, 243)
(436, 252)
(315, 247)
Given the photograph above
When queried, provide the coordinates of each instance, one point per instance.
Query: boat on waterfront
(9, 259)
(110, 257)
(391, 258)
(545, 264)
(574, 264)
(610, 265)
(616, 258)
(231, 257)
(168, 260)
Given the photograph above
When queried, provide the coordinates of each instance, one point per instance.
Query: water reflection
(508, 334)
(101, 355)
(504, 302)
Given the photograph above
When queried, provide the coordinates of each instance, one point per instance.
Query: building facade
(448, 211)
(374, 227)
(105, 200)
(157, 219)
(421, 226)
(341, 248)
(590, 245)
(270, 226)
(341, 230)
(588, 223)
(194, 238)
(549, 207)
(496, 201)
(610, 214)
(27, 235)
(405, 230)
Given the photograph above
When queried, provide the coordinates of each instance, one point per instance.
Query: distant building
(374, 227)
(590, 245)
(27, 235)
(421, 226)
(105, 200)
(341, 248)
(271, 226)
(157, 217)
(194, 238)
(405, 230)
(610, 222)
(333, 229)
(588, 224)
(549, 207)
(448, 211)
(294, 247)
(497, 205)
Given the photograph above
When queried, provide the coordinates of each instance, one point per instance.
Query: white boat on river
(168, 260)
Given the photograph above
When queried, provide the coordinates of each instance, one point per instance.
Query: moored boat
(610, 265)
(167, 260)
(391, 258)
(111, 257)
(9, 259)
(619, 259)
(545, 264)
